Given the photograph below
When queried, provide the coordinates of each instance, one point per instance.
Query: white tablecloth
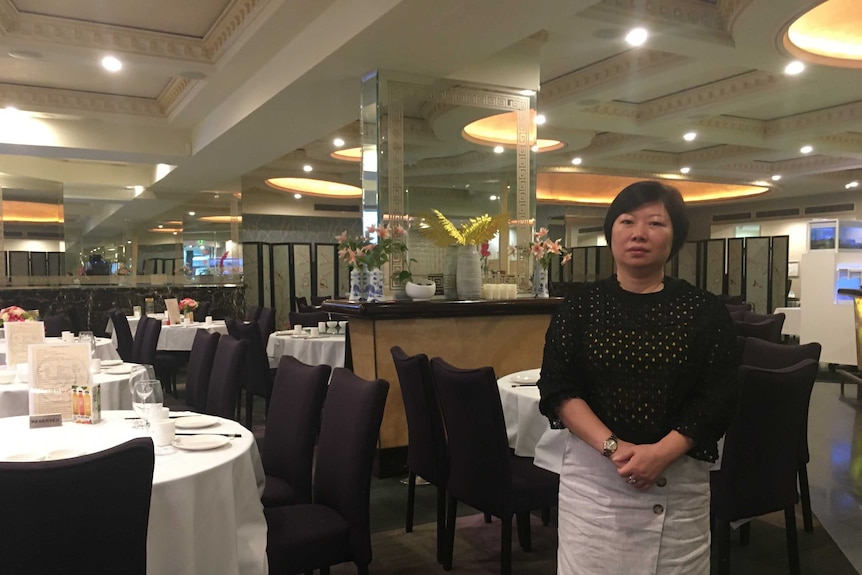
(326, 349)
(205, 512)
(115, 394)
(530, 434)
(173, 337)
(104, 348)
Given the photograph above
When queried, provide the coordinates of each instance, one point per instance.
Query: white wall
(22, 245)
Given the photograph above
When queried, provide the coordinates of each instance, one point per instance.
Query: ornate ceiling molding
(238, 16)
(685, 12)
(172, 94)
(734, 124)
(730, 10)
(50, 99)
(610, 71)
(820, 120)
(714, 154)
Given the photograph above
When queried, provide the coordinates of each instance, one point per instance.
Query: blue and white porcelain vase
(358, 283)
(374, 291)
(540, 281)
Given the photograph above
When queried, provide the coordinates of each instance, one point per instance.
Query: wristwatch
(609, 446)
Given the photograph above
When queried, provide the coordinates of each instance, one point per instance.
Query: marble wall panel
(778, 273)
(757, 273)
(251, 272)
(687, 263)
(281, 288)
(735, 265)
(579, 265)
(266, 274)
(326, 270)
(714, 266)
(300, 266)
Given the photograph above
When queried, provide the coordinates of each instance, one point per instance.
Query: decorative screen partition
(735, 266)
(757, 273)
(779, 282)
(300, 269)
(686, 262)
(326, 270)
(712, 279)
(282, 287)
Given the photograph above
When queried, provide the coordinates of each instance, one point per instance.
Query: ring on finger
(631, 480)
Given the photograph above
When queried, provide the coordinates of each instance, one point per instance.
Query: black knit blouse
(645, 363)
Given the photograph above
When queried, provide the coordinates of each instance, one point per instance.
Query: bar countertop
(398, 309)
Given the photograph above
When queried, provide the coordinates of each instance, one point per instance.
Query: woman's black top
(646, 364)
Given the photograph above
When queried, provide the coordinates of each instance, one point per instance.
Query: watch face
(610, 445)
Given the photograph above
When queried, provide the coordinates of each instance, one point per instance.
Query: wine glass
(142, 401)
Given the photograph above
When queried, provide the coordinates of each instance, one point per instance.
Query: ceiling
(228, 92)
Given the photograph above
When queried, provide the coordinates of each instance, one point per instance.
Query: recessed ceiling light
(297, 196)
(540, 119)
(535, 147)
(776, 177)
(498, 149)
(128, 241)
(577, 161)
(685, 170)
(161, 226)
(191, 213)
(689, 136)
(851, 185)
(637, 36)
(527, 92)
(795, 67)
(307, 168)
(175, 233)
(337, 142)
(138, 190)
(806, 149)
(111, 64)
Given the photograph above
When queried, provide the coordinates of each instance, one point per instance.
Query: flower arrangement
(474, 232)
(122, 270)
(185, 270)
(363, 251)
(543, 247)
(187, 305)
(15, 313)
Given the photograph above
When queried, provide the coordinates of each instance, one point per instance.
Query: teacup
(321, 326)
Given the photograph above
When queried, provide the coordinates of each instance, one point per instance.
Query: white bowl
(7, 376)
(420, 291)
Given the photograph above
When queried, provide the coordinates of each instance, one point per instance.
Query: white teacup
(208, 319)
(297, 330)
(315, 332)
(162, 413)
(67, 336)
(164, 431)
(321, 326)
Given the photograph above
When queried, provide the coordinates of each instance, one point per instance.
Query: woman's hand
(642, 465)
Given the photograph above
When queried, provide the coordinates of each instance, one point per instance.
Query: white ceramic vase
(469, 274)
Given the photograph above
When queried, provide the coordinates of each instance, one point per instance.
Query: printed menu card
(19, 335)
(54, 370)
(173, 309)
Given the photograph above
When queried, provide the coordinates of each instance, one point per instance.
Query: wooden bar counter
(508, 335)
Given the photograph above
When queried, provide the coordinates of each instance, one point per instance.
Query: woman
(641, 369)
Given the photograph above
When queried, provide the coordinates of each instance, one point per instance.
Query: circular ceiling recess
(829, 34)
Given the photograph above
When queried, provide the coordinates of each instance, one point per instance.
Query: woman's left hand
(640, 465)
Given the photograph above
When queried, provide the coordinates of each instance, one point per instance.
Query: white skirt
(607, 526)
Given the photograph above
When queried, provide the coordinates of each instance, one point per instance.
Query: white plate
(119, 369)
(63, 454)
(200, 442)
(111, 362)
(299, 335)
(284, 332)
(25, 457)
(525, 378)
(195, 421)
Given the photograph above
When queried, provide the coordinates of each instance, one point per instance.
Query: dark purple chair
(52, 510)
(252, 313)
(759, 464)
(199, 371)
(426, 445)
(258, 376)
(307, 318)
(336, 527)
(768, 355)
(266, 323)
(736, 307)
(55, 325)
(761, 326)
(483, 472)
(226, 378)
(291, 431)
(146, 340)
(123, 332)
(202, 311)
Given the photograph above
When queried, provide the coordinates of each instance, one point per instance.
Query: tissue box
(87, 403)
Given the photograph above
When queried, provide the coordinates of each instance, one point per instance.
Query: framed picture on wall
(793, 269)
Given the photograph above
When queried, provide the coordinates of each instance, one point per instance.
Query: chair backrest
(266, 324)
(307, 318)
(124, 334)
(480, 473)
(352, 413)
(77, 320)
(53, 510)
(145, 353)
(300, 302)
(252, 313)
(758, 464)
(734, 307)
(762, 353)
(202, 311)
(226, 377)
(140, 333)
(317, 300)
(200, 368)
(258, 379)
(426, 444)
(55, 325)
(768, 328)
(293, 422)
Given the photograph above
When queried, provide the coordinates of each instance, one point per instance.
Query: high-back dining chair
(55, 325)
(336, 527)
(307, 318)
(202, 311)
(226, 377)
(759, 460)
(768, 355)
(146, 341)
(291, 431)
(252, 313)
(426, 445)
(483, 473)
(257, 379)
(53, 511)
(766, 327)
(125, 343)
(266, 324)
(199, 370)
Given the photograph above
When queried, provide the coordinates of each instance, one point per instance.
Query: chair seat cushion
(532, 487)
(303, 537)
(277, 492)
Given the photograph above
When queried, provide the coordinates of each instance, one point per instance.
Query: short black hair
(649, 192)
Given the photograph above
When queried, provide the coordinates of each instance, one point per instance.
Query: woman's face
(641, 239)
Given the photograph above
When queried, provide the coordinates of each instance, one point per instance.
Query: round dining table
(205, 510)
(530, 433)
(179, 337)
(325, 349)
(105, 349)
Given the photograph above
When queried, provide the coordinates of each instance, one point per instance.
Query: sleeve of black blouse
(707, 413)
(558, 378)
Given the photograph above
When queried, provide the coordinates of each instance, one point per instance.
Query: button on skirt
(607, 526)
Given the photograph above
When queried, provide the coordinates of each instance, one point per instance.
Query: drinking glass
(88, 338)
(147, 399)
